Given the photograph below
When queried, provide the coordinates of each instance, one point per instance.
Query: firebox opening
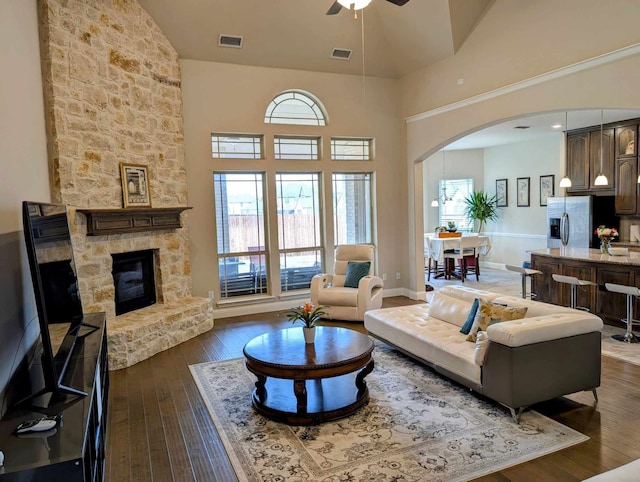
(134, 280)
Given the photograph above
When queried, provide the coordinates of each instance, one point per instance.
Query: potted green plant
(481, 207)
(308, 315)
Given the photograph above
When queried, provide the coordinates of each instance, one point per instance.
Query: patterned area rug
(417, 427)
(629, 352)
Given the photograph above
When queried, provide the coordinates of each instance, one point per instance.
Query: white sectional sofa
(552, 351)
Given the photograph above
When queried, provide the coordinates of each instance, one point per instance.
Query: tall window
(295, 107)
(451, 202)
(299, 236)
(352, 211)
(240, 232)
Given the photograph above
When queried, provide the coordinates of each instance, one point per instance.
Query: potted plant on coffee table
(481, 207)
(308, 315)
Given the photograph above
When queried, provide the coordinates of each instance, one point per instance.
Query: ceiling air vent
(522, 127)
(341, 54)
(234, 41)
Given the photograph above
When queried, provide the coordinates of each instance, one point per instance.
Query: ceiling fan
(357, 5)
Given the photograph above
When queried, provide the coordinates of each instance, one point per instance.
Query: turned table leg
(300, 391)
(361, 385)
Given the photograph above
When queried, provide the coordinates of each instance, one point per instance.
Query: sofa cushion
(411, 328)
(466, 327)
(544, 328)
(449, 309)
(490, 313)
(356, 270)
(482, 343)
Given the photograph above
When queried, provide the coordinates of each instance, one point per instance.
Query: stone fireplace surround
(176, 317)
(112, 92)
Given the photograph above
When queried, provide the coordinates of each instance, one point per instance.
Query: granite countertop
(626, 244)
(587, 254)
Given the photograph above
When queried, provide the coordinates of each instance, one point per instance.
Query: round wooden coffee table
(302, 384)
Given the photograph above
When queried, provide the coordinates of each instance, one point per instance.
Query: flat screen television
(57, 295)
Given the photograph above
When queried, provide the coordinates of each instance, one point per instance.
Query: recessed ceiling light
(556, 126)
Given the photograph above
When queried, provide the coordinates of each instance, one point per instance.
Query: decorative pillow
(482, 343)
(466, 328)
(356, 270)
(489, 313)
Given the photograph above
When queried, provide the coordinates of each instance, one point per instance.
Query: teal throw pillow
(466, 327)
(355, 272)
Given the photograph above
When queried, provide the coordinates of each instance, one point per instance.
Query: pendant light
(565, 181)
(601, 180)
(355, 4)
(445, 199)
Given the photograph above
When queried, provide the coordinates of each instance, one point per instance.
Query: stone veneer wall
(112, 95)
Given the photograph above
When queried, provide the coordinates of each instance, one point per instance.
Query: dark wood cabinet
(73, 451)
(601, 162)
(626, 170)
(611, 307)
(626, 185)
(578, 161)
(543, 285)
(626, 140)
(586, 297)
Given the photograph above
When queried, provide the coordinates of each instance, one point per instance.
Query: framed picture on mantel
(135, 185)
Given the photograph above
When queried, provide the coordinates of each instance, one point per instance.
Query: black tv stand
(75, 449)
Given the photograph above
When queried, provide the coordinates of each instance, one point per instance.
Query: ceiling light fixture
(556, 126)
(565, 181)
(601, 180)
(354, 4)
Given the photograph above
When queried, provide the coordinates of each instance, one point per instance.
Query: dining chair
(430, 260)
(465, 257)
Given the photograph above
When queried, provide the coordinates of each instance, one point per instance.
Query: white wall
(231, 98)
(22, 132)
(460, 164)
(521, 228)
(24, 174)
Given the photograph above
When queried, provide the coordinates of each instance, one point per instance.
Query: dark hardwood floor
(159, 428)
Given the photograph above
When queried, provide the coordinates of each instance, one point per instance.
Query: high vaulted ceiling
(297, 34)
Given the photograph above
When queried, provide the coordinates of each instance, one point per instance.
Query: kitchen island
(591, 265)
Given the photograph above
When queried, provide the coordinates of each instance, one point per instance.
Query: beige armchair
(360, 293)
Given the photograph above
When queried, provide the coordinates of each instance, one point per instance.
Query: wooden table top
(287, 349)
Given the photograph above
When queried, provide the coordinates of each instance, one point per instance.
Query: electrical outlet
(384, 276)
(398, 275)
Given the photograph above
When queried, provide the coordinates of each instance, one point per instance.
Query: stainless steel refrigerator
(570, 221)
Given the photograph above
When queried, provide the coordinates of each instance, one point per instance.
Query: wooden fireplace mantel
(101, 222)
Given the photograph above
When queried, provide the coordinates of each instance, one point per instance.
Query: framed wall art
(522, 189)
(547, 188)
(135, 185)
(502, 193)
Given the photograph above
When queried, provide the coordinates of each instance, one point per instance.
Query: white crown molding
(538, 79)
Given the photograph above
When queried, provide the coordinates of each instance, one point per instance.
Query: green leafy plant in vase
(479, 206)
(307, 315)
(451, 227)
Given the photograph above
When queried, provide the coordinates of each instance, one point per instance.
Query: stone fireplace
(134, 280)
(112, 95)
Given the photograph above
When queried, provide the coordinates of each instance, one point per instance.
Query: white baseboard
(248, 307)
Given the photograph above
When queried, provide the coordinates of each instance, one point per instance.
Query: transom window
(236, 146)
(296, 147)
(351, 149)
(451, 204)
(295, 107)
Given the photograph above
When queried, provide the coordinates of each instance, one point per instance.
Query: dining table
(435, 247)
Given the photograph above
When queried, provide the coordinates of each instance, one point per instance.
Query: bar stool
(525, 273)
(631, 292)
(574, 282)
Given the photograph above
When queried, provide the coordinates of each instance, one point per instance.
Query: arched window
(296, 107)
